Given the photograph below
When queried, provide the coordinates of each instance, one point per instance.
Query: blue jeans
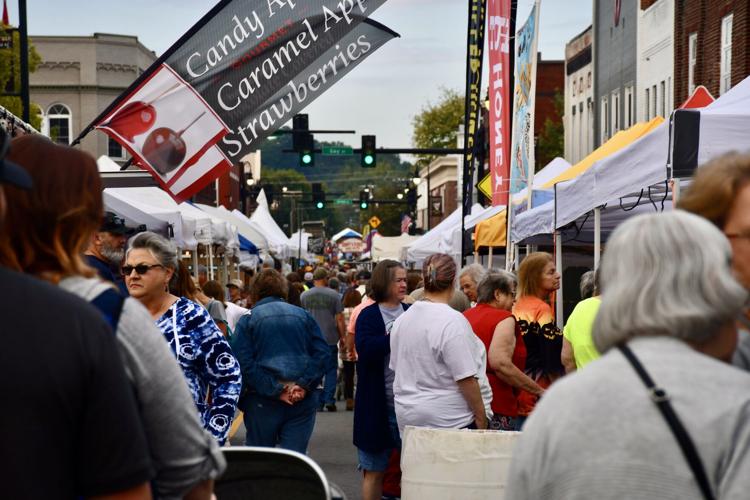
(329, 384)
(271, 423)
(378, 461)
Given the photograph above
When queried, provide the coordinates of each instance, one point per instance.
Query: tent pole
(195, 262)
(225, 268)
(489, 260)
(210, 261)
(597, 236)
(675, 192)
(559, 293)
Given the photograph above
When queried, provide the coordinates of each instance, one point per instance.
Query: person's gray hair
(163, 250)
(501, 280)
(477, 272)
(666, 274)
(589, 285)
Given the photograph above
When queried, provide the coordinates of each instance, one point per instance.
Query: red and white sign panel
(498, 20)
(352, 245)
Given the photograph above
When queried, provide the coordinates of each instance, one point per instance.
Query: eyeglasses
(141, 269)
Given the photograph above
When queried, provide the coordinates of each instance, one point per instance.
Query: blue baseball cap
(11, 173)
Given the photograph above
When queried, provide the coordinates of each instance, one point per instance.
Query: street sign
(337, 151)
(374, 221)
(342, 202)
(485, 186)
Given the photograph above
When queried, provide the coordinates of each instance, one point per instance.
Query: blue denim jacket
(279, 343)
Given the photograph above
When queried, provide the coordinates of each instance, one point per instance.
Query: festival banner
(233, 79)
(499, 25)
(522, 151)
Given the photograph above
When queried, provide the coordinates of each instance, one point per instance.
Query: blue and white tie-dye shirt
(207, 362)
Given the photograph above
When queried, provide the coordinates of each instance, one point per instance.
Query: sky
(381, 96)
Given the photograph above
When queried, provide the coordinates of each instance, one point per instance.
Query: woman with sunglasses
(45, 234)
(204, 355)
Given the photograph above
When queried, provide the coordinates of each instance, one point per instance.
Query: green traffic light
(306, 158)
(363, 205)
(369, 159)
(319, 204)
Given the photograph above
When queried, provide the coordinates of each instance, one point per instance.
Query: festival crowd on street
(128, 373)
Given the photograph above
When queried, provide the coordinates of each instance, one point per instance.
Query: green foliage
(551, 140)
(10, 59)
(341, 177)
(437, 124)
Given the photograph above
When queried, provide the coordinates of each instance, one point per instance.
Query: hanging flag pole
(474, 60)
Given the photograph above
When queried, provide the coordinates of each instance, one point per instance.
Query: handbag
(661, 400)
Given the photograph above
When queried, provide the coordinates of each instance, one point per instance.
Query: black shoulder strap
(109, 303)
(661, 399)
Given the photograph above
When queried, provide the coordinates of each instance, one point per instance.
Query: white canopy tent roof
(389, 247)
(245, 227)
(145, 205)
(295, 240)
(432, 241)
(346, 233)
(222, 232)
(278, 241)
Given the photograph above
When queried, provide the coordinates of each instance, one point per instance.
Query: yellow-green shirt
(578, 330)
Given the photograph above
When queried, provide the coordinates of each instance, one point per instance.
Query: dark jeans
(271, 423)
(349, 367)
(329, 384)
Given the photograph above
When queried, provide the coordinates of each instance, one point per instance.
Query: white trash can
(448, 464)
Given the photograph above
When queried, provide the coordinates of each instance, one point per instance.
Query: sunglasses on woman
(141, 269)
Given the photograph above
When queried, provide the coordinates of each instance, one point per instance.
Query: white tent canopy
(634, 167)
(222, 232)
(294, 242)
(145, 205)
(249, 230)
(346, 233)
(389, 247)
(278, 241)
(432, 241)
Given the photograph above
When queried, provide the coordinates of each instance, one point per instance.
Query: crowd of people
(130, 373)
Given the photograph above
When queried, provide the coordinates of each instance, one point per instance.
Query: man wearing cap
(235, 288)
(107, 250)
(72, 400)
(325, 306)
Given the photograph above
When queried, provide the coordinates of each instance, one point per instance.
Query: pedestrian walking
(578, 347)
(106, 251)
(201, 350)
(347, 351)
(439, 364)
(469, 278)
(661, 413)
(494, 324)
(283, 356)
(537, 281)
(376, 433)
(325, 306)
(70, 410)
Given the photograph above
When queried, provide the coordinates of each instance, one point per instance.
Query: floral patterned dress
(211, 370)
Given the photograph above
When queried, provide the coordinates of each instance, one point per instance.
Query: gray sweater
(182, 452)
(596, 433)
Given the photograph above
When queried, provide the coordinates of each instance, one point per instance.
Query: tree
(10, 64)
(551, 140)
(436, 126)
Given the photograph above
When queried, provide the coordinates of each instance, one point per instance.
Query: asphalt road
(331, 447)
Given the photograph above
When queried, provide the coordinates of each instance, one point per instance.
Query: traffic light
(302, 140)
(364, 200)
(318, 195)
(368, 157)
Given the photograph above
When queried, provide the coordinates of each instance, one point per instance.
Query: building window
(604, 120)
(663, 88)
(574, 86)
(615, 112)
(588, 80)
(628, 107)
(726, 54)
(654, 98)
(59, 123)
(692, 60)
(647, 102)
(115, 150)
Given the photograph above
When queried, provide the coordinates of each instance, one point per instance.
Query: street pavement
(331, 447)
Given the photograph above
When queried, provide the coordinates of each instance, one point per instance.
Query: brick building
(711, 42)
(550, 82)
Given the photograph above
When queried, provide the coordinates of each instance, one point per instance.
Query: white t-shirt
(234, 312)
(432, 347)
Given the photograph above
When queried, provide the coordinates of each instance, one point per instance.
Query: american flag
(405, 223)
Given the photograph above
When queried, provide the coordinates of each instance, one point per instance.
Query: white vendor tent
(278, 241)
(247, 229)
(389, 247)
(147, 204)
(346, 233)
(222, 232)
(432, 241)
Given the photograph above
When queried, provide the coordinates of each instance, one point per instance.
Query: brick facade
(550, 80)
(704, 17)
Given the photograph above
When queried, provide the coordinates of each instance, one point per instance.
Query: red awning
(700, 98)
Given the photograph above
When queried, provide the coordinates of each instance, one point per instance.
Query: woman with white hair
(660, 414)
(469, 278)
